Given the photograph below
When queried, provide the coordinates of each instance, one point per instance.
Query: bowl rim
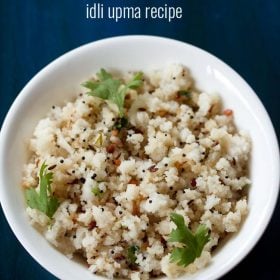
(25, 91)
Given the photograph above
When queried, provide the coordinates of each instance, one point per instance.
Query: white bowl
(60, 80)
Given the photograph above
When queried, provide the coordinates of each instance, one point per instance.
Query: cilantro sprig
(96, 191)
(111, 89)
(131, 254)
(185, 93)
(121, 123)
(192, 244)
(43, 200)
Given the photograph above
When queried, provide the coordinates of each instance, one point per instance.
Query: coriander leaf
(182, 234)
(184, 93)
(121, 123)
(182, 256)
(90, 85)
(136, 81)
(96, 191)
(118, 99)
(32, 199)
(44, 201)
(53, 204)
(192, 244)
(108, 88)
(104, 75)
(131, 251)
(202, 237)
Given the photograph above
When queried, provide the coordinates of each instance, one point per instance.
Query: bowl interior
(60, 81)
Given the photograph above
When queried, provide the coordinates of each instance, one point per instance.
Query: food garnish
(43, 200)
(192, 244)
(131, 251)
(96, 191)
(184, 93)
(111, 89)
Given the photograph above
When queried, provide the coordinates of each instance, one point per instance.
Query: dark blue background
(245, 34)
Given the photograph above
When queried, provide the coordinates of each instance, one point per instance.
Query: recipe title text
(118, 13)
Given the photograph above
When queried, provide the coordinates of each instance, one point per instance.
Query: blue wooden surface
(245, 34)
